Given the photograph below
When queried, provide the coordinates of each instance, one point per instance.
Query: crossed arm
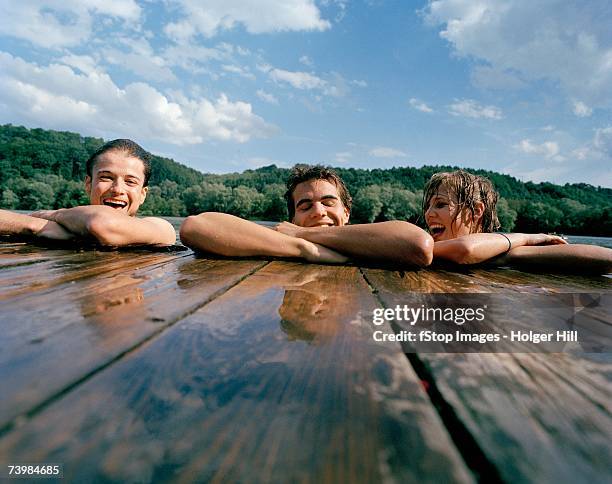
(12, 223)
(99, 222)
(224, 234)
(537, 250)
(394, 241)
(232, 236)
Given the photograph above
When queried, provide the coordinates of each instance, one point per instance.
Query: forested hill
(45, 169)
(28, 152)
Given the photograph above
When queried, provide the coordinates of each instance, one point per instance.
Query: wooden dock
(141, 366)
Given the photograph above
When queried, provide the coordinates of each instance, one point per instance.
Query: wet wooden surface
(140, 366)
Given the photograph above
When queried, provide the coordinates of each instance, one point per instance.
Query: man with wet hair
(319, 208)
(117, 183)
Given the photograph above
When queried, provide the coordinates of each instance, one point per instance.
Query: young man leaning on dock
(116, 182)
(319, 208)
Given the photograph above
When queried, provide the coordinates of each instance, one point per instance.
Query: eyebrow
(309, 200)
(129, 175)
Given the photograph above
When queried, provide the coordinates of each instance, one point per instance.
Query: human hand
(544, 239)
(321, 254)
(289, 229)
(45, 214)
(54, 231)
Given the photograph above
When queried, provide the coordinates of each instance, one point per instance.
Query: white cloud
(307, 61)
(136, 55)
(359, 83)
(267, 97)
(582, 110)
(603, 141)
(469, 108)
(420, 105)
(84, 63)
(384, 152)
(335, 85)
(487, 77)
(54, 25)
(241, 71)
(257, 16)
(599, 148)
(58, 97)
(343, 157)
(191, 57)
(297, 79)
(566, 41)
(548, 149)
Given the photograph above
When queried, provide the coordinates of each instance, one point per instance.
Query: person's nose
(319, 210)
(118, 187)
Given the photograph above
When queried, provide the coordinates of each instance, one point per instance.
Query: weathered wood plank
(277, 380)
(95, 320)
(536, 417)
(31, 310)
(71, 267)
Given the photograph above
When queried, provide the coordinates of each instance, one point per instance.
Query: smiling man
(116, 183)
(319, 208)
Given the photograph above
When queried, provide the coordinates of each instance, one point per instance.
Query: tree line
(45, 169)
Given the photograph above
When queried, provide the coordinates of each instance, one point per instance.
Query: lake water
(572, 239)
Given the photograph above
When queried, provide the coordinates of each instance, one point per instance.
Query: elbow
(195, 230)
(188, 230)
(104, 230)
(419, 246)
(423, 252)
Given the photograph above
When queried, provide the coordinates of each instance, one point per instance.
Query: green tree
(506, 215)
(9, 199)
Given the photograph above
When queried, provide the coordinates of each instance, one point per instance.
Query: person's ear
(88, 185)
(347, 215)
(143, 194)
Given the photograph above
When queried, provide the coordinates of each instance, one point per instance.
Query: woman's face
(440, 217)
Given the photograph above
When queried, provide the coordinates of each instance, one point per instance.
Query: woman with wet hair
(460, 212)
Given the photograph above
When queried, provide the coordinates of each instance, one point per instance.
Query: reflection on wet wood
(537, 417)
(277, 380)
(142, 366)
(96, 321)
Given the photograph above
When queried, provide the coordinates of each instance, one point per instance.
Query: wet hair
(304, 173)
(468, 189)
(127, 146)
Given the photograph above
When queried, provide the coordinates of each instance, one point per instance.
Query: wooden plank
(40, 305)
(514, 280)
(97, 320)
(277, 380)
(535, 417)
(71, 267)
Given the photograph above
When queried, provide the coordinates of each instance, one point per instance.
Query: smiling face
(117, 181)
(444, 221)
(317, 203)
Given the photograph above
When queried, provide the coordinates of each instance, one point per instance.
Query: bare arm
(26, 226)
(572, 258)
(475, 248)
(231, 236)
(110, 227)
(393, 241)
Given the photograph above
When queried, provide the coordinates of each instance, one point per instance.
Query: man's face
(440, 217)
(317, 203)
(117, 181)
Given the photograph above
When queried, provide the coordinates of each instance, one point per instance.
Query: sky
(521, 87)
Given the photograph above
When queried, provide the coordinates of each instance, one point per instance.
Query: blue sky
(515, 86)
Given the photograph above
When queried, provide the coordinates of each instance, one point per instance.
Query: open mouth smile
(114, 203)
(436, 229)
